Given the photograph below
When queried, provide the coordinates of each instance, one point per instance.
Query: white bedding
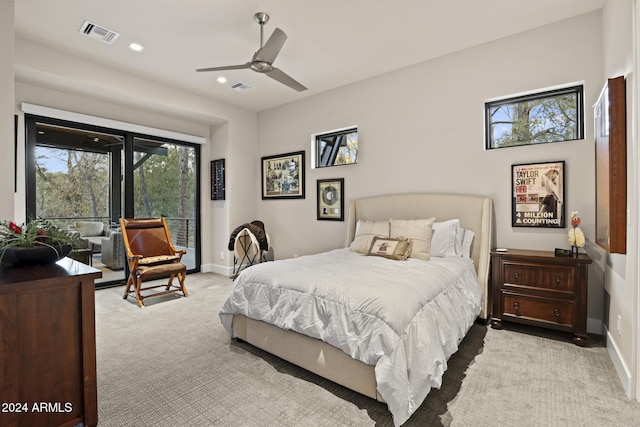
(404, 317)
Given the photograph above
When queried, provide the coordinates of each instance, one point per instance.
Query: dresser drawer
(548, 277)
(558, 312)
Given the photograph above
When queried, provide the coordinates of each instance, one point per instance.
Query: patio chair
(151, 255)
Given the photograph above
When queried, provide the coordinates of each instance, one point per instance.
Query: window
(550, 116)
(80, 172)
(336, 148)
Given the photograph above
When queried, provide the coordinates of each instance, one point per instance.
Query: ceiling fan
(262, 61)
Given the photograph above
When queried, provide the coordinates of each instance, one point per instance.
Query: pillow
(419, 231)
(392, 248)
(365, 232)
(447, 239)
(157, 260)
(467, 240)
(89, 228)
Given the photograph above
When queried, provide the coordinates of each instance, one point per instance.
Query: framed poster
(331, 199)
(283, 176)
(538, 195)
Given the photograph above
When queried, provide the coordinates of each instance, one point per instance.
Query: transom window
(336, 148)
(549, 116)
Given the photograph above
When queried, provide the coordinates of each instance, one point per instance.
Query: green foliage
(536, 121)
(157, 182)
(38, 232)
(80, 191)
(78, 186)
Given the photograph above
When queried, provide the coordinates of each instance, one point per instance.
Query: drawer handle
(517, 275)
(557, 279)
(516, 306)
(556, 313)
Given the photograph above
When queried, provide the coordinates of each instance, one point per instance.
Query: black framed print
(217, 180)
(330, 199)
(538, 195)
(283, 176)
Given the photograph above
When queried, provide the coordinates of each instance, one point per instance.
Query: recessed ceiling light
(136, 47)
(221, 79)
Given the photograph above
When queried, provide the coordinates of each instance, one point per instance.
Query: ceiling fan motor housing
(261, 66)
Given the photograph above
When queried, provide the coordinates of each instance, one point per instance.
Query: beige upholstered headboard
(475, 213)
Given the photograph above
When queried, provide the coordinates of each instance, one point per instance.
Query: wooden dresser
(539, 288)
(48, 345)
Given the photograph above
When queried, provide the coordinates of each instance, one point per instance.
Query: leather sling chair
(151, 255)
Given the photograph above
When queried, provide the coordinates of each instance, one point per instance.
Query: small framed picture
(331, 199)
(538, 195)
(283, 176)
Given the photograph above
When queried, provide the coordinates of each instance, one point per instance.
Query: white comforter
(404, 317)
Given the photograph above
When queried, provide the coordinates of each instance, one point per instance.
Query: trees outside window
(549, 116)
(79, 172)
(336, 148)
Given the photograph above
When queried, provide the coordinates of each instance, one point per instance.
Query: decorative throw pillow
(157, 260)
(447, 239)
(365, 232)
(419, 231)
(392, 248)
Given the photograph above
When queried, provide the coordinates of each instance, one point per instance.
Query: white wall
(56, 79)
(6, 107)
(421, 130)
(621, 270)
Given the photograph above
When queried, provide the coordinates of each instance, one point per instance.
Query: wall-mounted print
(217, 180)
(331, 199)
(538, 195)
(283, 176)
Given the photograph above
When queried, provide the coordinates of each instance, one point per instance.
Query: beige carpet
(172, 364)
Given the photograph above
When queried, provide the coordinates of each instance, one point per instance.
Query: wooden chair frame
(151, 265)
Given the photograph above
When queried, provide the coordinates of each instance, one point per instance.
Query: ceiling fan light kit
(262, 61)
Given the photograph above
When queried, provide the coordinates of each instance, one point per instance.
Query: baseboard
(218, 269)
(621, 368)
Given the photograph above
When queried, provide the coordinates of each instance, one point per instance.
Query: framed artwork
(283, 176)
(611, 167)
(538, 195)
(331, 199)
(217, 180)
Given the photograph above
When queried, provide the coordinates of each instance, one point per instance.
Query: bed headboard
(475, 213)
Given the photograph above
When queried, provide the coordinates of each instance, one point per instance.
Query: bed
(393, 361)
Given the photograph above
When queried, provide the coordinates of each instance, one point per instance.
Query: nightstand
(541, 289)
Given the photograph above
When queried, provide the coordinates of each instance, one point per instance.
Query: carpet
(172, 364)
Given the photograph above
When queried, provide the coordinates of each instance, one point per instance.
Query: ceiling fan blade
(271, 48)
(285, 79)
(228, 67)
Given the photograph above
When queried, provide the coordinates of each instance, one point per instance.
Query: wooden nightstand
(539, 288)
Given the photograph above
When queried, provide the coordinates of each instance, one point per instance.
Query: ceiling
(331, 43)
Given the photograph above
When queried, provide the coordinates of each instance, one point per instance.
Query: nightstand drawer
(548, 277)
(558, 312)
(539, 288)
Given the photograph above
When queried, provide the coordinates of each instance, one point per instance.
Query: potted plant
(37, 241)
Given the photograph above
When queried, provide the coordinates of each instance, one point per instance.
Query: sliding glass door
(164, 184)
(85, 178)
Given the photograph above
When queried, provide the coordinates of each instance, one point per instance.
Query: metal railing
(182, 229)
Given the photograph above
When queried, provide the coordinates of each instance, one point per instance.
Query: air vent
(241, 87)
(99, 33)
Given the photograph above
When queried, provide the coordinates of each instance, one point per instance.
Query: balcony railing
(182, 229)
